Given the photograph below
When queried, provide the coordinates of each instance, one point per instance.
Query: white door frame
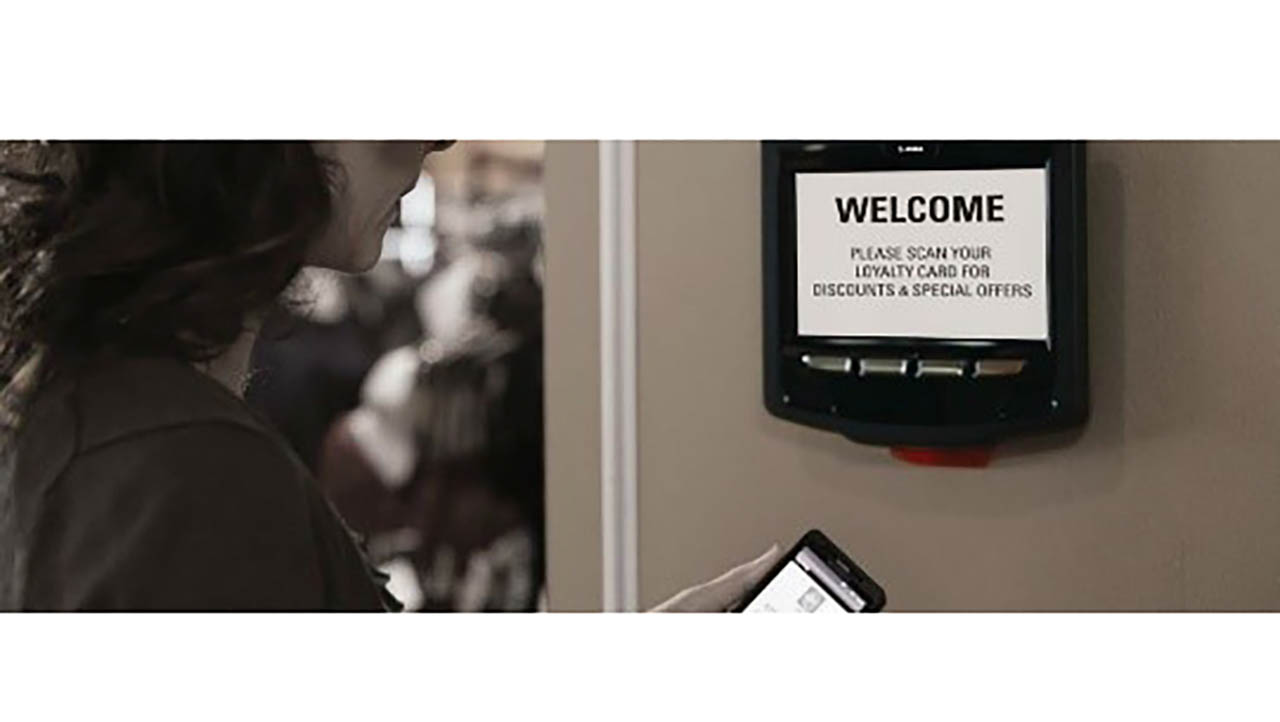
(618, 417)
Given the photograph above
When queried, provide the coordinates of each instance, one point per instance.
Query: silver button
(949, 368)
(882, 367)
(834, 364)
(998, 367)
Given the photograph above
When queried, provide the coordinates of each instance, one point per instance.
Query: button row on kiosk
(923, 368)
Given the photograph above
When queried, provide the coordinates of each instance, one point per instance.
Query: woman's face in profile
(374, 174)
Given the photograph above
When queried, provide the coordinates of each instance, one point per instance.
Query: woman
(132, 280)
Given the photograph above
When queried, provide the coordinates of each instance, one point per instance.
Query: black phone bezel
(1052, 394)
(835, 558)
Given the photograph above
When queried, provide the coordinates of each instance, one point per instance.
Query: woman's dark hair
(153, 248)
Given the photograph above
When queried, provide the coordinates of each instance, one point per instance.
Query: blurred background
(414, 392)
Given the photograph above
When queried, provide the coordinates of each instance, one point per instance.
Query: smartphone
(815, 576)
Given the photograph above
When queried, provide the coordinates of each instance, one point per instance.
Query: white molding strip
(618, 472)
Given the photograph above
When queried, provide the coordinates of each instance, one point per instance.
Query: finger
(757, 569)
(725, 590)
(733, 585)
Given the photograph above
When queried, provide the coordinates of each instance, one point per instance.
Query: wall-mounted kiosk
(925, 294)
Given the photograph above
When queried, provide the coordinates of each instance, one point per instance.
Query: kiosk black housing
(883, 390)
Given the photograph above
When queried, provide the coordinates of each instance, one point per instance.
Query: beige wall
(1169, 499)
(572, 308)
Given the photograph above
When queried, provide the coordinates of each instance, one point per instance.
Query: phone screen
(806, 585)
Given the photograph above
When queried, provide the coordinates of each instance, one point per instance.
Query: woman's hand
(726, 590)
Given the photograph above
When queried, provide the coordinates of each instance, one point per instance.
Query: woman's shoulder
(116, 397)
(198, 515)
(163, 492)
(152, 421)
(102, 417)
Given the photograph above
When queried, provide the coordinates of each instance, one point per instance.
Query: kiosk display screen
(930, 254)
